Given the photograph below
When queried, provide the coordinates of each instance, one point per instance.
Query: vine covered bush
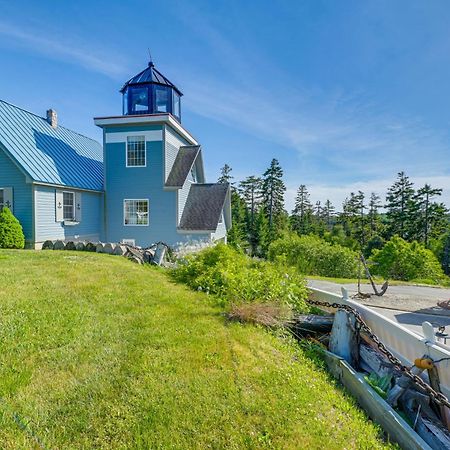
(235, 278)
(402, 260)
(11, 232)
(312, 255)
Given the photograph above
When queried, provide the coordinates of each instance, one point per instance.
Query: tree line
(259, 216)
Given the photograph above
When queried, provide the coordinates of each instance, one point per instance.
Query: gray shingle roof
(204, 206)
(183, 163)
(50, 155)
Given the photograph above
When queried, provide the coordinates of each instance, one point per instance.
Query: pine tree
(374, 217)
(273, 189)
(430, 214)
(400, 207)
(237, 235)
(250, 190)
(262, 233)
(302, 212)
(328, 213)
(225, 175)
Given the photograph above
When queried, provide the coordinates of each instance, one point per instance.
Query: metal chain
(438, 397)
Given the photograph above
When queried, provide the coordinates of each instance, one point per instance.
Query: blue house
(146, 183)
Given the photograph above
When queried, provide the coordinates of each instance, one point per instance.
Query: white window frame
(73, 207)
(125, 200)
(137, 136)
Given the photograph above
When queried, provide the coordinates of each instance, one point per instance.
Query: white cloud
(80, 53)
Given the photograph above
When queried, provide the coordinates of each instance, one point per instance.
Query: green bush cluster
(312, 255)
(236, 278)
(402, 260)
(11, 233)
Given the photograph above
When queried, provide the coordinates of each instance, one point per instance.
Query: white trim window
(2, 198)
(136, 154)
(68, 205)
(135, 212)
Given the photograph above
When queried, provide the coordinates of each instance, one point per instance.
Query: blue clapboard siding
(11, 176)
(47, 228)
(138, 183)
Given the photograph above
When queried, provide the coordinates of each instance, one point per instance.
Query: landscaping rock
(80, 246)
(100, 248)
(90, 247)
(109, 248)
(120, 250)
(47, 245)
(59, 245)
(70, 246)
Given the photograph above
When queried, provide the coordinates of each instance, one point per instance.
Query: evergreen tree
(302, 212)
(374, 217)
(11, 232)
(273, 189)
(400, 207)
(262, 233)
(237, 235)
(250, 190)
(328, 213)
(225, 175)
(430, 214)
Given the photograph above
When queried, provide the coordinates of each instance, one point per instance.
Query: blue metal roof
(150, 75)
(50, 155)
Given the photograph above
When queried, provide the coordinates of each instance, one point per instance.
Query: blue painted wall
(89, 228)
(11, 176)
(123, 182)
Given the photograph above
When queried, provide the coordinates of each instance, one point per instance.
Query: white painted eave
(144, 119)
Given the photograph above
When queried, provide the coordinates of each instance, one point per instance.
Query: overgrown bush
(314, 256)
(11, 232)
(401, 260)
(235, 278)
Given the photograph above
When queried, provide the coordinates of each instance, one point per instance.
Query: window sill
(70, 223)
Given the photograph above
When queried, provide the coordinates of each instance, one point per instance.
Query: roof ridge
(43, 118)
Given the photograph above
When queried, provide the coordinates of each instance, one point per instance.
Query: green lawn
(97, 352)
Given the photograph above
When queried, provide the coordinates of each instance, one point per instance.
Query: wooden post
(343, 340)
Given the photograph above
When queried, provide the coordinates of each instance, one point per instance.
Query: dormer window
(136, 155)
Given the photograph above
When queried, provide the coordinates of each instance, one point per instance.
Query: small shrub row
(401, 260)
(11, 232)
(312, 255)
(234, 278)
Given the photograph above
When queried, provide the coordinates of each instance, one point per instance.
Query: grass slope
(99, 353)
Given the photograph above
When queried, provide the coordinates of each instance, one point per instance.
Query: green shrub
(314, 256)
(401, 260)
(11, 233)
(235, 278)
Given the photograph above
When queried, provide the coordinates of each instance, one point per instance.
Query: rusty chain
(438, 397)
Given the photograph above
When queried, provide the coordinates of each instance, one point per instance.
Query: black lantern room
(150, 92)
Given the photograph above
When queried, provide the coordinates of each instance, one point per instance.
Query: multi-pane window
(2, 199)
(136, 151)
(135, 212)
(68, 205)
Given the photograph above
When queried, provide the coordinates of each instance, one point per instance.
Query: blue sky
(344, 93)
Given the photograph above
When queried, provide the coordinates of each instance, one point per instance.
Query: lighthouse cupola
(150, 92)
